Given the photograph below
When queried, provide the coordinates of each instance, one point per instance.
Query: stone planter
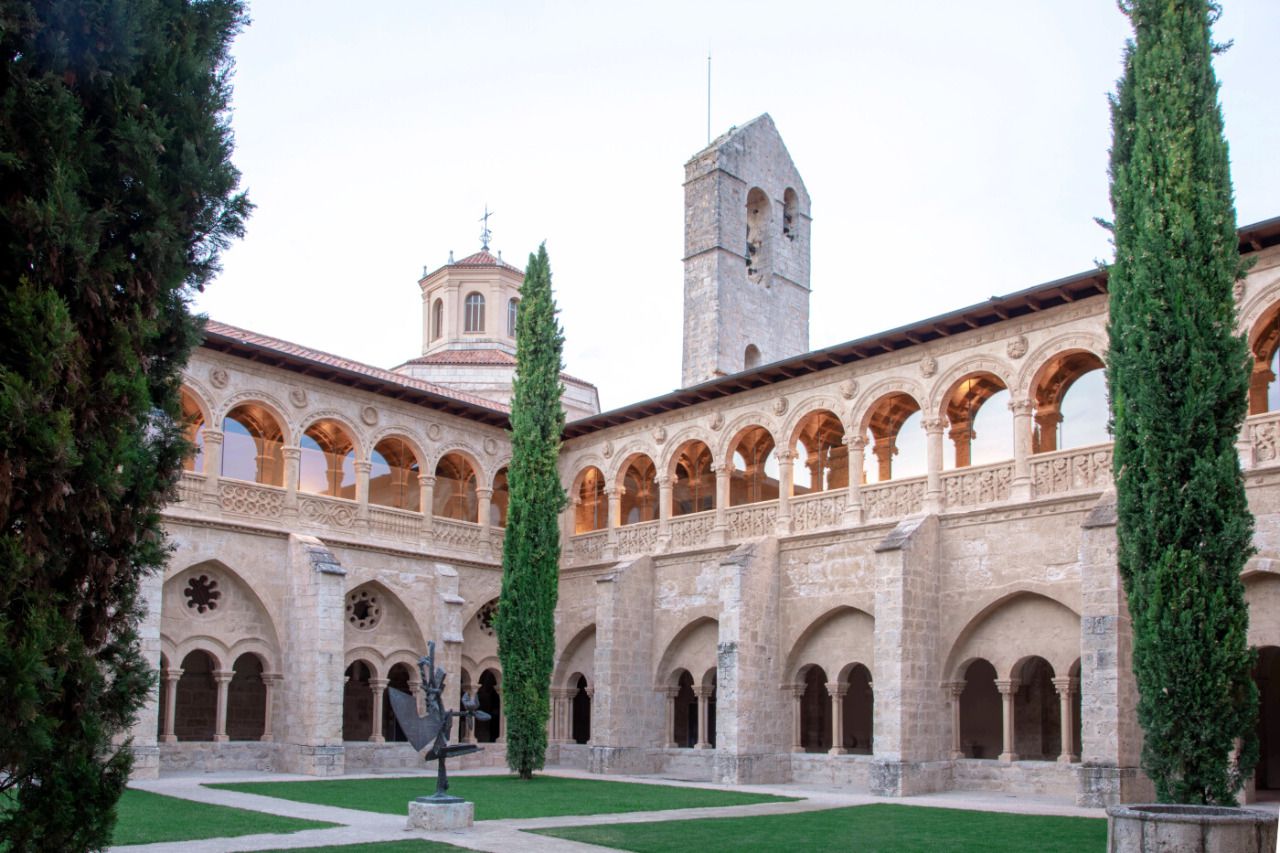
(1189, 829)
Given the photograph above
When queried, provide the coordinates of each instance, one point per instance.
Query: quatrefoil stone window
(364, 611)
(202, 594)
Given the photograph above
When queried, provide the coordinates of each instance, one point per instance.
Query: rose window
(363, 609)
(202, 594)
(484, 617)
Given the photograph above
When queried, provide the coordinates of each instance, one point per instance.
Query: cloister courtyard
(571, 810)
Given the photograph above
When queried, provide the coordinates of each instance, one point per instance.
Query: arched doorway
(581, 729)
(859, 711)
(685, 721)
(488, 731)
(196, 702)
(815, 712)
(981, 720)
(246, 700)
(397, 679)
(1267, 677)
(1037, 718)
(357, 702)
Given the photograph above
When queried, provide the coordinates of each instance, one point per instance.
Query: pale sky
(952, 152)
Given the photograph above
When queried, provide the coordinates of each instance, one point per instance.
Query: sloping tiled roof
(242, 343)
(466, 356)
(481, 356)
(482, 258)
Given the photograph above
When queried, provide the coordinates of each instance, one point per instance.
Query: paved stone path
(504, 836)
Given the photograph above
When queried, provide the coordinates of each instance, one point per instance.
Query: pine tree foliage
(116, 196)
(1178, 377)
(531, 554)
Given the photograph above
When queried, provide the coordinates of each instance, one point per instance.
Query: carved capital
(1021, 407)
(211, 436)
(934, 424)
(362, 466)
(856, 443)
(1007, 685)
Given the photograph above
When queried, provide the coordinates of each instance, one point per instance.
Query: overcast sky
(952, 151)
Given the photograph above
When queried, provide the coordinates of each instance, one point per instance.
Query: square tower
(746, 254)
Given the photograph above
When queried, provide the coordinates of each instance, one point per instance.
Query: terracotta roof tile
(483, 258)
(481, 356)
(466, 356)
(297, 351)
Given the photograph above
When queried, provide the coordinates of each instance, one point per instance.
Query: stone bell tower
(746, 254)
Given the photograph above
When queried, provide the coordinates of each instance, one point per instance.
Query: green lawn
(145, 818)
(878, 828)
(501, 796)
(415, 846)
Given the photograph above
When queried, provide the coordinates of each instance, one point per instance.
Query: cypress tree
(531, 554)
(1178, 377)
(116, 196)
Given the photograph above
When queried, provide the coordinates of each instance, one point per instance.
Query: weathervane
(485, 233)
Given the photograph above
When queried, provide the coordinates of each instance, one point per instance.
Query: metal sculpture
(432, 729)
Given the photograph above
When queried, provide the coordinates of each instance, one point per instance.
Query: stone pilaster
(752, 717)
(933, 428)
(857, 445)
(146, 751)
(664, 512)
(1110, 739)
(786, 482)
(1020, 486)
(626, 713)
(362, 468)
(212, 468)
(292, 461)
(909, 745)
(311, 691)
(446, 626)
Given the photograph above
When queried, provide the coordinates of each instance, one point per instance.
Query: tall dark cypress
(1178, 377)
(116, 195)
(531, 553)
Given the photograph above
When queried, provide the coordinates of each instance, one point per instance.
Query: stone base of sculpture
(426, 813)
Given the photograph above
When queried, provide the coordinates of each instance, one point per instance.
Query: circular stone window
(484, 617)
(202, 594)
(363, 609)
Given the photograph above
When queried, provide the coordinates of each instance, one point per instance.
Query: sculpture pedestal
(424, 814)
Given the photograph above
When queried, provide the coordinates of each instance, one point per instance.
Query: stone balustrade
(1080, 469)
(278, 507)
